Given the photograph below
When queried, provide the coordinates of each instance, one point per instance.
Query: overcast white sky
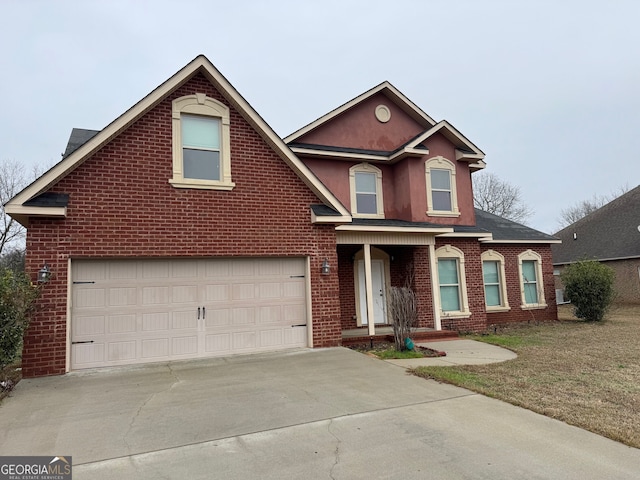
(549, 90)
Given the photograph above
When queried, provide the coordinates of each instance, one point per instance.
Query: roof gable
(79, 149)
(386, 89)
(611, 232)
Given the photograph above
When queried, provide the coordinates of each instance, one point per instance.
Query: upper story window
(531, 287)
(366, 191)
(452, 282)
(201, 143)
(442, 198)
(495, 294)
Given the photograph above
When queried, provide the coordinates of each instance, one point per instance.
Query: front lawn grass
(585, 374)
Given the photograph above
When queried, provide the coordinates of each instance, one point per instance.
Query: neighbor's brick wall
(122, 206)
(516, 313)
(627, 282)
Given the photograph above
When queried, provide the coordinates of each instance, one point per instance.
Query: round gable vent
(383, 114)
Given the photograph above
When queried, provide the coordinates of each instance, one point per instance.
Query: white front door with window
(378, 289)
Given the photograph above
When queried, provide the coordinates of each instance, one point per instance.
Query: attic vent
(383, 114)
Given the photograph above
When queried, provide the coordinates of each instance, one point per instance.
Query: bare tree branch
(500, 198)
(583, 208)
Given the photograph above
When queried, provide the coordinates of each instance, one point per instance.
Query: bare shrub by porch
(403, 313)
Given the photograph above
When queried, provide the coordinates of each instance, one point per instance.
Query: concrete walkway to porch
(458, 352)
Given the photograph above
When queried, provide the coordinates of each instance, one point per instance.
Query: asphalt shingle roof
(507, 230)
(611, 232)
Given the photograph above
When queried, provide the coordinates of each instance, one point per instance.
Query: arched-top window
(201, 143)
(452, 281)
(365, 182)
(531, 285)
(442, 197)
(495, 291)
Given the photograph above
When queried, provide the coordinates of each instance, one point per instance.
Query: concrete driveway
(330, 413)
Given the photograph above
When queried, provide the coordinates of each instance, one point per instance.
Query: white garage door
(138, 311)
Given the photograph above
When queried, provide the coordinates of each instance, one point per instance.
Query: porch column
(434, 287)
(368, 282)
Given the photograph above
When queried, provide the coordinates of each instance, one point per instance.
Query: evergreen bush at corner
(17, 297)
(589, 286)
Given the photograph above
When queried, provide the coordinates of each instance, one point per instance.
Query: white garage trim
(150, 310)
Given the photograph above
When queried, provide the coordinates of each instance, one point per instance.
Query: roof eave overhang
(364, 157)
(540, 242)
(21, 213)
(393, 229)
(612, 259)
(481, 236)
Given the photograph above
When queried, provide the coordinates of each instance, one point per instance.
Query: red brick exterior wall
(122, 206)
(512, 274)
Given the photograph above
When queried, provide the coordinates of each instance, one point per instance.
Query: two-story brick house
(187, 228)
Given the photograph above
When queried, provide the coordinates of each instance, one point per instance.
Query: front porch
(385, 334)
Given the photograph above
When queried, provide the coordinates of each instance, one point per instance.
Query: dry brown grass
(585, 374)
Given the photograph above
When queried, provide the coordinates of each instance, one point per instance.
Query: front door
(379, 292)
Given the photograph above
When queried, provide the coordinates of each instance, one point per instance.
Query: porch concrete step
(420, 336)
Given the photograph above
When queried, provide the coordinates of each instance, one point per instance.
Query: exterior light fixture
(44, 274)
(326, 268)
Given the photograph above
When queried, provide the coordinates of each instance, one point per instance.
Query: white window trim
(449, 251)
(441, 163)
(531, 255)
(493, 256)
(200, 104)
(366, 168)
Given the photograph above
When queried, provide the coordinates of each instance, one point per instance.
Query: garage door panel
(136, 311)
(89, 325)
(218, 343)
(243, 316)
(123, 271)
(154, 322)
(121, 324)
(121, 352)
(154, 348)
(155, 269)
(217, 293)
(90, 298)
(244, 340)
(123, 296)
(89, 354)
(217, 317)
(155, 295)
(184, 293)
(184, 345)
(270, 338)
(243, 267)
(243, 291)
(294, 314)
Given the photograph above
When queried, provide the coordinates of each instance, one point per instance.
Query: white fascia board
(36, 211)
(480, 236)
(330, 219)
(516, 242)
(384, 228)
(340, 155)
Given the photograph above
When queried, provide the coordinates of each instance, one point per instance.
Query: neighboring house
(187, 228)
(610, 235)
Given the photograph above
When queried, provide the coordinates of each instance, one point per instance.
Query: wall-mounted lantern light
(326, 268)
(44, 274)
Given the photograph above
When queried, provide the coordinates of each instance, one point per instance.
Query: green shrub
(589, 286)
(17, 297)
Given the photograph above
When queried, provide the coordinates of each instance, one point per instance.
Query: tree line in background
(500, 198)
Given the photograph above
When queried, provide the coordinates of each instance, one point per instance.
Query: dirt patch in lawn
(585, 374)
